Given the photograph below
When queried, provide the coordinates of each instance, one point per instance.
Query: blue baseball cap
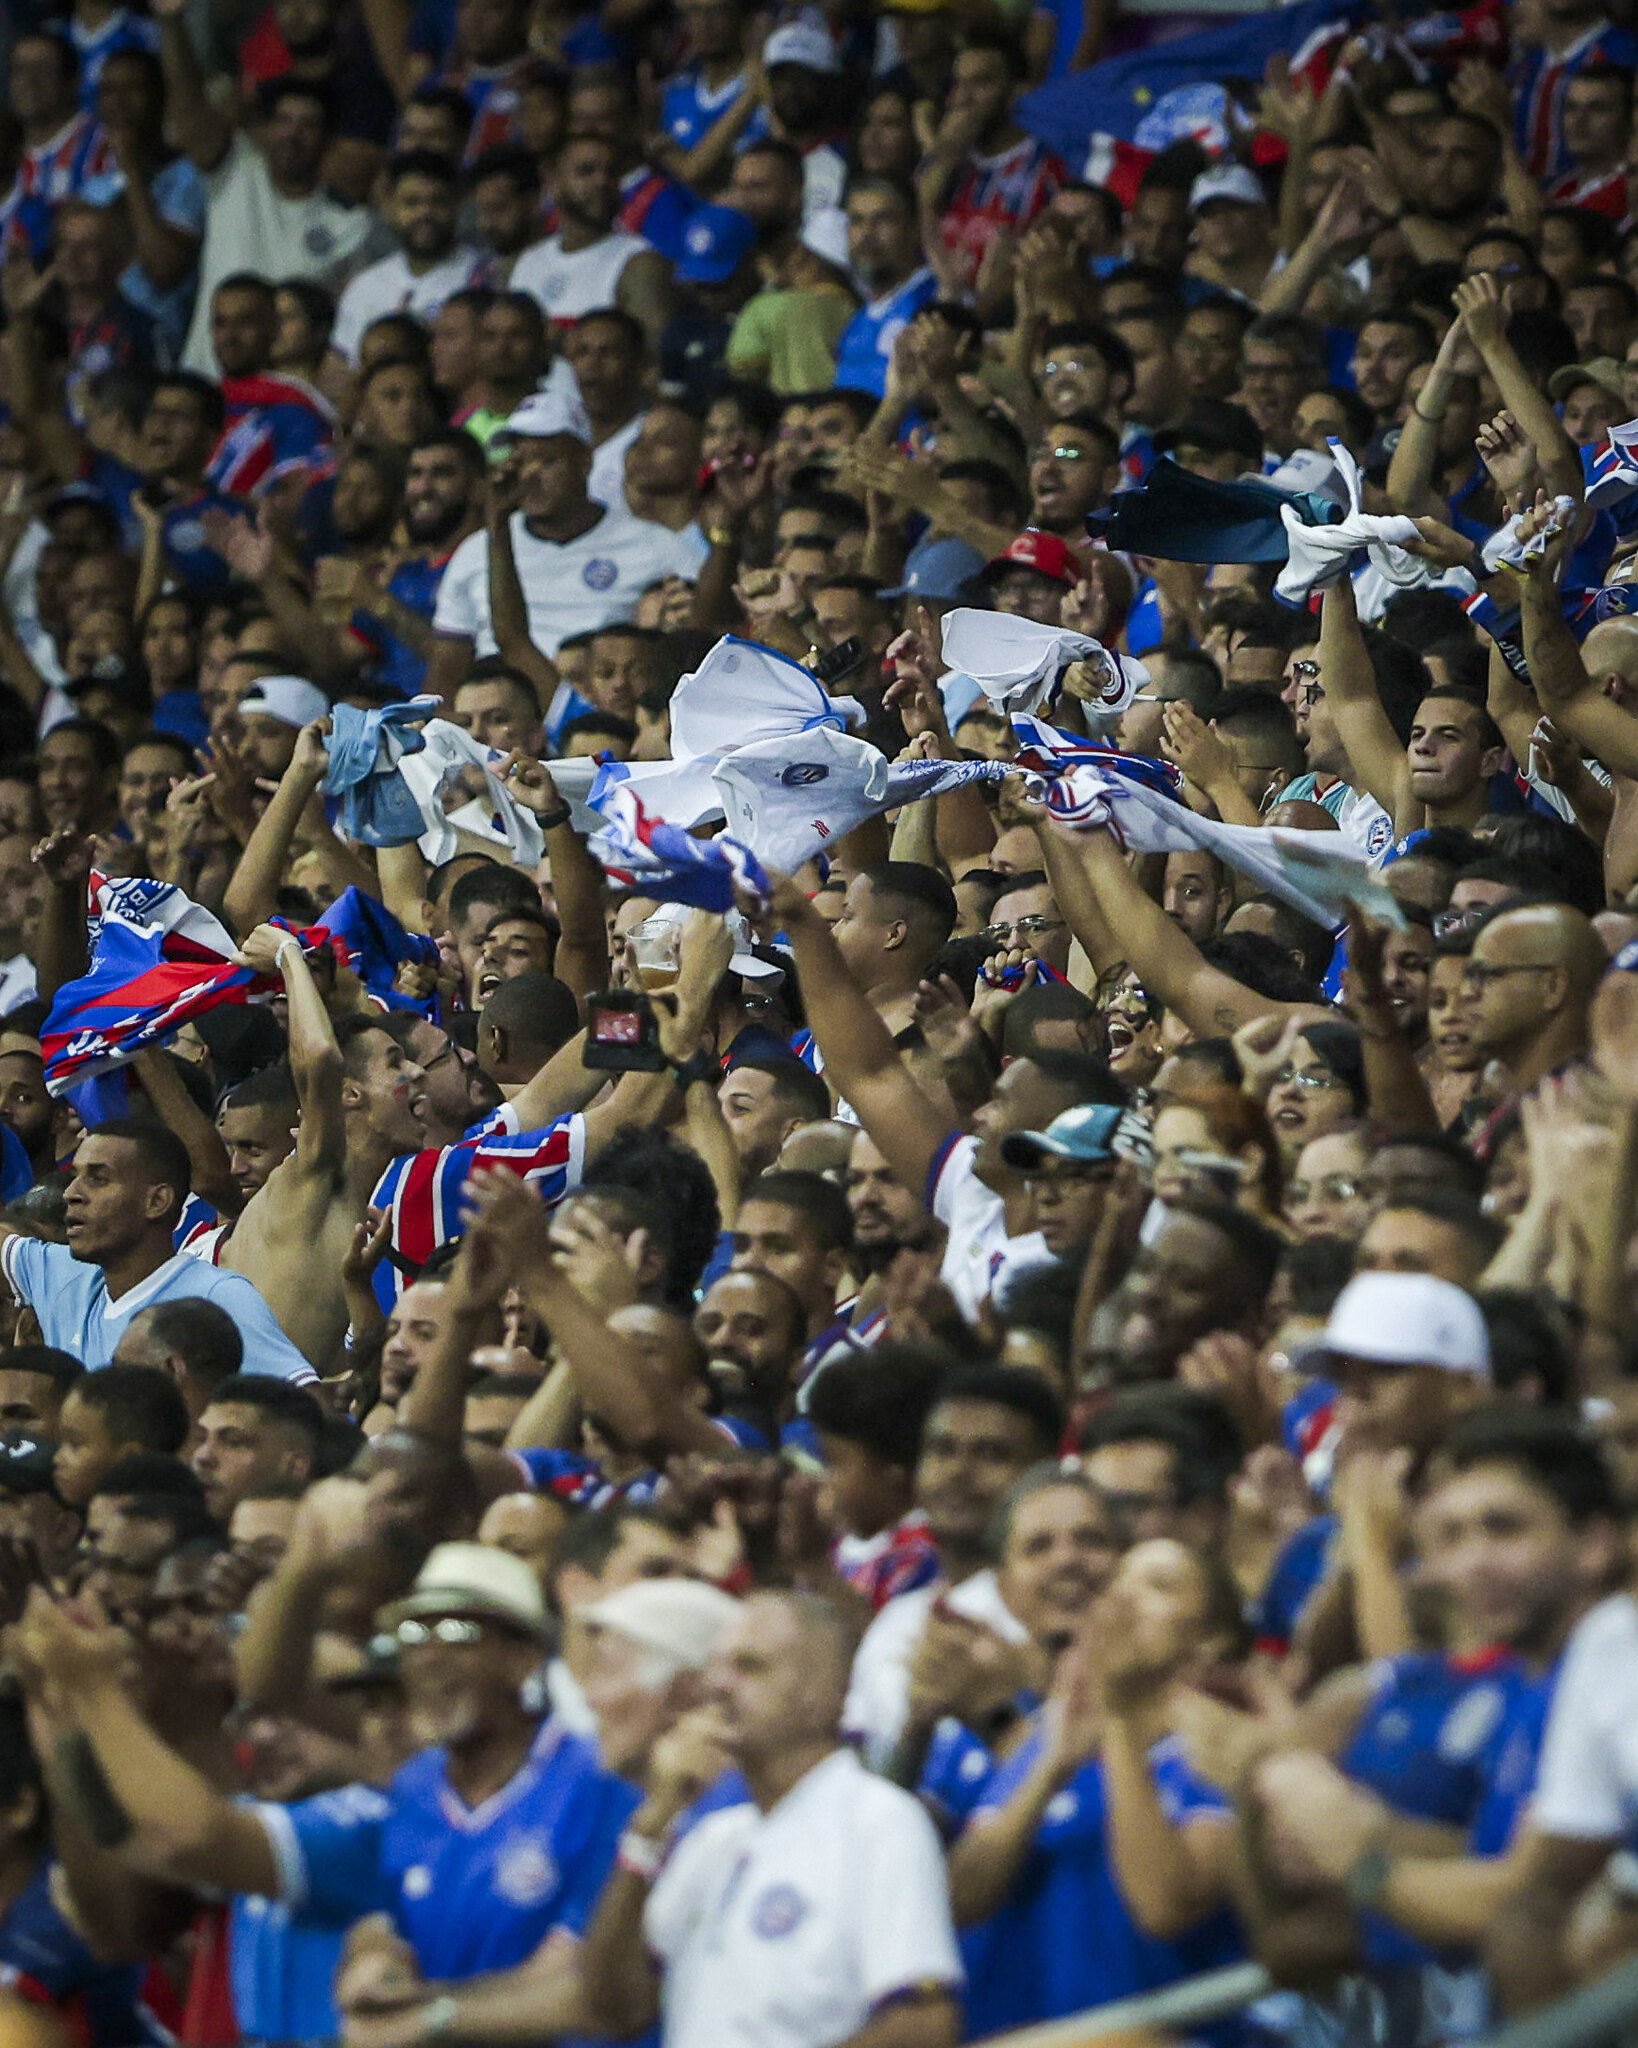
(938, 569)
(1085, 1134)
(715, 243)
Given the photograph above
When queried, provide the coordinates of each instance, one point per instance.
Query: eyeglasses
(1306, 1077)
(1480, 974)
(1335, 1187)
(449, 1628)
(1027, 927)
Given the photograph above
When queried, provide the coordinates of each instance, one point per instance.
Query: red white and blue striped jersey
(421, 1191)
(1540, 78)
(276, 426)
(46, 176)
(995, 192)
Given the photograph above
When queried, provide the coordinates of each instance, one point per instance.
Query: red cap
(1044, 552)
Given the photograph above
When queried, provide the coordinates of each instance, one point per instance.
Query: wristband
(285, 946)
(1431, 419)
(548, 821)
(438, 2019)
(640, 1854)
(721, 536)
(699, 1066)
(1368, 1879)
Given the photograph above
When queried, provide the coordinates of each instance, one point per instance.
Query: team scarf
(1089, 787)
(158, 960)
(643, 854)
(1611, 468)
(370, 940)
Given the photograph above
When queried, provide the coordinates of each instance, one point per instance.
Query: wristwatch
(548, 821)
(1368, 1879)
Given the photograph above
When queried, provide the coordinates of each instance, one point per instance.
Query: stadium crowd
(818, 1018)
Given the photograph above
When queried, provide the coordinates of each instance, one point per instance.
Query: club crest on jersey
(600, 573)
(780, 1911)
(525, 1873)
(803, 774)
(1470, 1723)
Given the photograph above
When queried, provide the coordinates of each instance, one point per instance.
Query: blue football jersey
(470, 1890)
(1065, 1938)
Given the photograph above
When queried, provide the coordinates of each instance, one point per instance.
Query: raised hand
(528, 783)
(244, 543)
(597, 1262)
(1510, 458)
(64, 856)
(499, 1204)
(1481, 310)
(1192, 744)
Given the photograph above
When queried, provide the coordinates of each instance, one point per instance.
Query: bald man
(1527, 986)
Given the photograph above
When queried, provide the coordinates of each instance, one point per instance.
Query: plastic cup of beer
(655, 949)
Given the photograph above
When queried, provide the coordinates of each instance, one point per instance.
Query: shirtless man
(366, 1115)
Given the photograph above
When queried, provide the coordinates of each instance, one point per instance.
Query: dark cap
(27, 1463)
(1217, 427)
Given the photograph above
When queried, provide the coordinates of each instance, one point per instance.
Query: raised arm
(203, 131)
(1376, 759)
(185, 1831)
(253, 892)
(1567, 692)
(1099, 897)
(315, 1057)
(207, 1155)
(861, 1061)
(1479, 306)
(509, 1228)
(581, 961)
(508, 608)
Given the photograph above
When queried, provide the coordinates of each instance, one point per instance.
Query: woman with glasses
(1320, 1087)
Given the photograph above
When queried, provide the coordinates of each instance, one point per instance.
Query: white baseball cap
(290, 699)
(543, 414)
(681, 1618)
(804, 43)
(1400, 1319)
(1227, 181)
(474, 1578)
(825, 233)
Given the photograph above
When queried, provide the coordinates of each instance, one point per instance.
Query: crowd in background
(1069, 1415)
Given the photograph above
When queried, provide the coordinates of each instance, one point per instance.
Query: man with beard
(580, 564)
(884, 247)
(987, 1428)
(441, 506)
(429, 264)
(274, 423)
(590, 262)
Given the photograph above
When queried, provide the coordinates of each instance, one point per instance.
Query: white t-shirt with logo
(572, 587)
(250, 225)
(788, 1929)
(572, 283)
(390, 286)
